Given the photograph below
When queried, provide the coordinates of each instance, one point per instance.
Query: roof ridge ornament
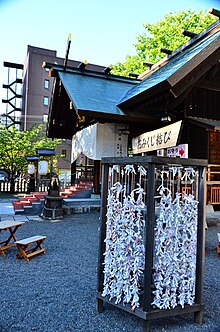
(133, 75)
(82, 65)
(188, 33)
(214, 12)
(107, 70)
(165, 50)
(148, 64)
(67, 50)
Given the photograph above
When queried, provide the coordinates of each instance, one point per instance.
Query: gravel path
(56, 292)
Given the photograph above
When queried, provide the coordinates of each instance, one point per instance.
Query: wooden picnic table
(12, 227)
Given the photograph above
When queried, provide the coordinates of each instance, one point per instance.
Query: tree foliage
(15, 145)
(166, 33)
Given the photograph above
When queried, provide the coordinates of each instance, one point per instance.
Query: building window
(46, 84)
(63, 153)
(46, 101)
(45, 118)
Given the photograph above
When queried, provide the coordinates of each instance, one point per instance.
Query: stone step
(33, 202)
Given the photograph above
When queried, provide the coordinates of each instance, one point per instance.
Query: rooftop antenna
(67, 50)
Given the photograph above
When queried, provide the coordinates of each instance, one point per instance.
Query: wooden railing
(213, 184)
(21, 186)
(215, 195)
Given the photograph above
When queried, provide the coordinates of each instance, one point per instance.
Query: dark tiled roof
(163, 73)
(95, 92)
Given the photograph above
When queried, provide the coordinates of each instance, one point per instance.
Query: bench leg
(2, 252)
(22, 252)
(39, 245)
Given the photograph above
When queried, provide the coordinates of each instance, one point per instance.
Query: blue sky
(103, 31)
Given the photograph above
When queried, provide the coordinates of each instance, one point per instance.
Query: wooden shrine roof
(179, 70)
(82, 97)
(185, 83)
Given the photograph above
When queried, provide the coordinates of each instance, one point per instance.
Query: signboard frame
(161, 138)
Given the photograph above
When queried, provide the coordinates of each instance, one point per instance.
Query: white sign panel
(157, 139)
(161, 153)
(178, 151)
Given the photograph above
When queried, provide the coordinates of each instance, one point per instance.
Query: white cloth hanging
(100, 140)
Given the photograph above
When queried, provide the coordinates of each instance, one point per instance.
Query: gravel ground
(56, 292)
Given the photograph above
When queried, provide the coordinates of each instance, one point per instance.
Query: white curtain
(84, 141)
(100, 140)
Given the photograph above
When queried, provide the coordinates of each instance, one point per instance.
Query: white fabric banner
(100, 140)
(84, 141)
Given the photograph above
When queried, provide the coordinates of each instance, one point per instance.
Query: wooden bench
(25, 251)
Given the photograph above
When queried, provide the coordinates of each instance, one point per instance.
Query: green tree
(15, 145)
(166, 33)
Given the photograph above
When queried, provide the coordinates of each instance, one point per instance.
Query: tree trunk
(12, 183)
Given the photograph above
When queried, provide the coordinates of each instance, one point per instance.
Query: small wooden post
(102, 235)
(96, 178)
(146, 326)
(150, 221)
(73, 173)
(200, 246)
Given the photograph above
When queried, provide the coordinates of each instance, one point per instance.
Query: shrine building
(102, 112)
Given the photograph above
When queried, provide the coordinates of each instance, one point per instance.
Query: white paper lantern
(43, 167)
(31, 169)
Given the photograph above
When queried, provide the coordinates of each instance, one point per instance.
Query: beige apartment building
(36, 98)
(36, 95)
(35, 92)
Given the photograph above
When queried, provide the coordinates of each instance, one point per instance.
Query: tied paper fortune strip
(124, 255)
(175, 249)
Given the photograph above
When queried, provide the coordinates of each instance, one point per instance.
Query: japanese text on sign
(178, 151)
(158, 139)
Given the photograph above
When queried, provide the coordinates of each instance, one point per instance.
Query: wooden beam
(190, 34)
(133, 75)
(209, 85)
(148, 64)
(165, 50)
(195, 68)
(214, 12)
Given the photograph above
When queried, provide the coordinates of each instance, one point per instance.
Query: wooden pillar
(73, 173)
(96, 177)
(86, 173)
(200, 247)
(102, 234)
(149, 239)
(36, 176)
